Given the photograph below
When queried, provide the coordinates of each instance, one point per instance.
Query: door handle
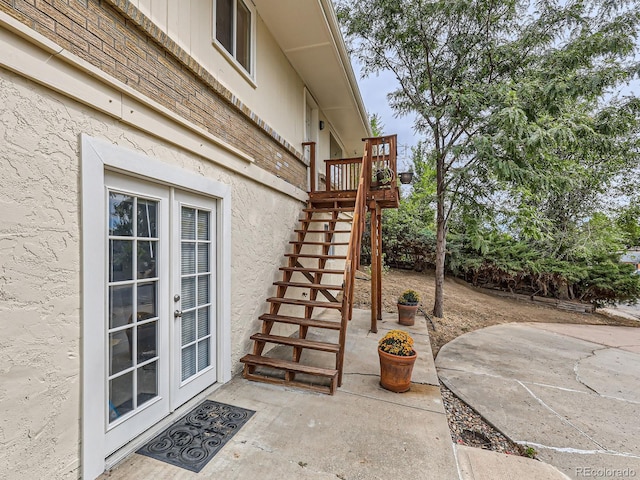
(177, 314)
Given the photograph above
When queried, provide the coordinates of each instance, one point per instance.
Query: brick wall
(117, 38)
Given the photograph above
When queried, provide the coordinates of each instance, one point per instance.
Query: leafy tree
(507, 93)
(377, 127)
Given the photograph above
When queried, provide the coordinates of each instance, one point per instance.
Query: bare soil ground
(467, 309)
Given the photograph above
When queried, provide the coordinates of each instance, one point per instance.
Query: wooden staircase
(334, 219)
(306, 269)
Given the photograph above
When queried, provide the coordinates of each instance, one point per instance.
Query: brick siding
(116, 37)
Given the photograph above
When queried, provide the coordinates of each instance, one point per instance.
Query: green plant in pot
(397, 357)
(383, 176)
(407, 307)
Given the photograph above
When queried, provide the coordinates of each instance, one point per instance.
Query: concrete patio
(362, 432)
(569, 391)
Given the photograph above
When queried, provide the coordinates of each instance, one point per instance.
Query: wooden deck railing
(353, 254)
(382, 155)
(343, 174)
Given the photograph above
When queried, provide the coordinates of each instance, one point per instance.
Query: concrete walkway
(572, 392)
(362, 432)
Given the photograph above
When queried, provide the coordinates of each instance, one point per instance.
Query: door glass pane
(147, 382)
(203, 354)
(120, 350)
(188, 327)
(147, 222)
(203, 225)
(147, 253)
(120, 305)
(120, 215)
(203, 289)
(147, 301)
(203, 322)
(120, 396)
(188, 361)
(188, 223)
(195, 288)
(188, 293)
(188, 258)
(203, 257)
(133, 303)
(120, 260)
(243, 35)
(147, 341)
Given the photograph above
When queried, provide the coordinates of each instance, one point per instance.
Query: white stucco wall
(40, 239)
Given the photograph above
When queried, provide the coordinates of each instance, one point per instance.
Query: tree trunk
(441, 240)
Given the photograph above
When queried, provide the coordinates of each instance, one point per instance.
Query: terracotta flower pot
(395, 371)
(407, 314)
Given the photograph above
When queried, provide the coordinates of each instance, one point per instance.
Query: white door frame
(96, 157)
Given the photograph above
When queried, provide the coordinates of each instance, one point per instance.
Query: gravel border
(468, 428)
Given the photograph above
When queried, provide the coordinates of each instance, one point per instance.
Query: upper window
(234, 30)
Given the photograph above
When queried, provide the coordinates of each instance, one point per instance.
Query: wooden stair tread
(288, 365)
(315, 286)
(318, 243)
(302, 321)
(311, 255)
(297, 342)
(328, 220)
(312, 270)
(328, 209)
(305, 303)
(302, 230)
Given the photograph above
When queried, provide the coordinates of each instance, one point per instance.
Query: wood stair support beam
(304, 321)
(304, 303)
(313, 286)
(297, 342)
(288, 366)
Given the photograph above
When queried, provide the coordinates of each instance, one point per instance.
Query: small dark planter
(407, 313)
(406, 177)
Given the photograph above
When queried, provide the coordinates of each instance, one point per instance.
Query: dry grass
(467, 309)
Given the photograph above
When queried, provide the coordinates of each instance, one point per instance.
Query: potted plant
(383, 176)
(397, 356)
(407, 307)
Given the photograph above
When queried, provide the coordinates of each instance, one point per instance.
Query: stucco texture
(40, 277)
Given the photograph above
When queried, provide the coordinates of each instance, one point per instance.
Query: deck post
(375, 260)
(378, 214)
(312, 165)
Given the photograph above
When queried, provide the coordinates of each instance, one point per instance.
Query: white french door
(161, 303)
(194, 342)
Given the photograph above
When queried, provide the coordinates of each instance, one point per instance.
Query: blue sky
(374, 90)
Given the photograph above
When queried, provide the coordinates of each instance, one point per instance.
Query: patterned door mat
(192, 441)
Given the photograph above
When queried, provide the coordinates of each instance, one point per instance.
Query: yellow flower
(397, 342)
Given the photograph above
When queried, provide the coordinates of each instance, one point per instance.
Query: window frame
(249, 75)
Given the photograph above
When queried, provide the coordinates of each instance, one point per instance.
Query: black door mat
(192, 441)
